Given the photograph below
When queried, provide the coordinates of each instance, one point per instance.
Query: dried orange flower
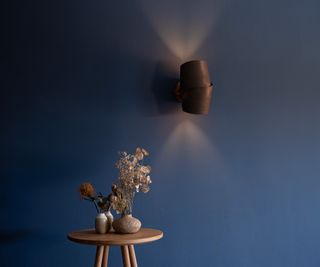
(87, 190)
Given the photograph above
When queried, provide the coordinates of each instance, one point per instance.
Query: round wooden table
(126, 242)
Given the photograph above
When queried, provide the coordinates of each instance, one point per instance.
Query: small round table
(125, 241)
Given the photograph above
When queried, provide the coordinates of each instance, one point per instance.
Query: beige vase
(126, 225)
(101, 223)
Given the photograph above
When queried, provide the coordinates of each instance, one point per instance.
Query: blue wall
(81, 80)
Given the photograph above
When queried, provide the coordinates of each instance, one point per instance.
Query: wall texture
(81, 80)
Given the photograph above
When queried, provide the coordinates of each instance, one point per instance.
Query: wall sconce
(194, 89)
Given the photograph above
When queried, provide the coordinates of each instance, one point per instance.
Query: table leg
(99, 255)
(132, 254)
(105, 257)
(125, 256)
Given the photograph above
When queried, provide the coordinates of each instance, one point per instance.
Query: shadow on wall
(158, 98)
(14, 236)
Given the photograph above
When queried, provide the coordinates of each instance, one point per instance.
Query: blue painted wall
(81, 80)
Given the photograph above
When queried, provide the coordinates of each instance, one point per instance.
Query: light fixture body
(195, 88)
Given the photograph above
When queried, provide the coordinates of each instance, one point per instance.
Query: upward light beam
(182, 25)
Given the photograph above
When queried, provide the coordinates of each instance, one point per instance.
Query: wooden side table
(126, 242)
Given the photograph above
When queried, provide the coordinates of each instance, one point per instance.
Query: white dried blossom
(133, 177)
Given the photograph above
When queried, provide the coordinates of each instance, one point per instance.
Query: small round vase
(126, 225)
(101, 223)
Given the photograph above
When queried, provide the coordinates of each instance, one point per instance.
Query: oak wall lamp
(194, 90)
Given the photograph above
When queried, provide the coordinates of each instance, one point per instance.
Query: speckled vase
(126, 225)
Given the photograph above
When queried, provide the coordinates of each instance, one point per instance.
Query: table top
(90, 237)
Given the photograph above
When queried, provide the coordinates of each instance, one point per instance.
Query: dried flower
(139, 153)
(145, 169)
(87, 190)
(133, 177)
(145, 152)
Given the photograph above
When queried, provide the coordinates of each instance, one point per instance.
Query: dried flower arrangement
(133, 177)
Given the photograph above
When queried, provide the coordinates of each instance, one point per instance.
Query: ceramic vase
(110, 221)
(101, 223)
(126, 225)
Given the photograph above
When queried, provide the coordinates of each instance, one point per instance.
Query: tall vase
(101, 223)
(110, 221)
(126, 224)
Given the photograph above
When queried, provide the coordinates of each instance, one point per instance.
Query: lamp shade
(196, 87)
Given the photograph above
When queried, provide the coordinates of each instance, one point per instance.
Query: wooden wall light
(194, 90)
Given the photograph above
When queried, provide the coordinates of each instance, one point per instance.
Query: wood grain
(105, 257)
(125, 256)
(90, 237)
(132, 255)
(99, 255)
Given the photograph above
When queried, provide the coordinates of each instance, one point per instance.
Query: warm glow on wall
(182, 28)
(187, 141)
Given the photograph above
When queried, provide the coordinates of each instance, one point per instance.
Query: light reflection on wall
(189, 144)
(182, 25)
